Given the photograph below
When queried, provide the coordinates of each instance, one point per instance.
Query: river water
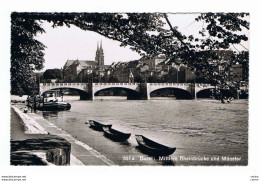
(204, 131)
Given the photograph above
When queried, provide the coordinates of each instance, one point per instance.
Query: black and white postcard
(168, 90)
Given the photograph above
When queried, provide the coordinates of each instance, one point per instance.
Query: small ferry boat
(153, 148)
(53, 101)
(115, 134)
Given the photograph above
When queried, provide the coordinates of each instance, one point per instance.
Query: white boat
(53, 100)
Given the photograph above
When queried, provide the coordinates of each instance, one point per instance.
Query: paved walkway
(82, 154)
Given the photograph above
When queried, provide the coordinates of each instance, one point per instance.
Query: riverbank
(32, 145)
(80, 153)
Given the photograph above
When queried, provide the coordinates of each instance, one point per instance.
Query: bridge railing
(61, 84)
(125, 84)
(202, 85)
(121, 84)
(170, 84)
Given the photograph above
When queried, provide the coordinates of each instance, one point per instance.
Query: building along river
(204, 131)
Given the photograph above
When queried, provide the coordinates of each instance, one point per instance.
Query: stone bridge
(134, 90)
(185, 90)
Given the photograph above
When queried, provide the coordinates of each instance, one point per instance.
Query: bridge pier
(142, 95)
(88, 94)
(133, 96)
(193, 91)
(85, 96)
(144, 91)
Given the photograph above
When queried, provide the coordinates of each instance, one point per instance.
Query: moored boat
(153, 148)
(97, 125)
(58, 106)
(53, 100)
(115, 134)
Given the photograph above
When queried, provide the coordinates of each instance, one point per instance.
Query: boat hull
(115, 134)
(55, 106)
(153, 148)
(97, 125)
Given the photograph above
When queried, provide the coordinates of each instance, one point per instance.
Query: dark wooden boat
(97, 125)
(115, 134)
(57, 106)
(153, 148)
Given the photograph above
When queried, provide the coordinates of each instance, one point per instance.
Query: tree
(52, 74)
(113, 79)
(145, 33)
(26, 54)
(138, 79)
(222, 31)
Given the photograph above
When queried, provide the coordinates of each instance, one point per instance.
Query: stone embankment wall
(46, 150)
(36, 146)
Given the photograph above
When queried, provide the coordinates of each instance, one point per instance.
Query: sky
(72, 43)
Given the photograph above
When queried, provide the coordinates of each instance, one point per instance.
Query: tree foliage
(52, 74)
(149, 34)
(208, 53)
(26, 54)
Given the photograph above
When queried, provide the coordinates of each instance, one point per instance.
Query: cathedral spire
(101, 48)
(99, 54)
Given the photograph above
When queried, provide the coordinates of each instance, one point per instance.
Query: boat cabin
(53, 96)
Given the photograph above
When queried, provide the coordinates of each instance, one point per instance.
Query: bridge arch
(205, 93)
(182, 90)
(132, 89)
(202, 88)
(81, 88)
(179, 93)
(58, 88)
(130, 93)
(83, 94)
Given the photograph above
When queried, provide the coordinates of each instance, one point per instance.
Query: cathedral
(73, 68)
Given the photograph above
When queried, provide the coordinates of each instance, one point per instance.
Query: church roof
(83, 63)
(87, 63)
(68, 63)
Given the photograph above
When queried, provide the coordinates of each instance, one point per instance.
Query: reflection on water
(195, 127)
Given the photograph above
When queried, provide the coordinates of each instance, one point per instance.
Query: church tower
(131, 77)
(99, 55)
